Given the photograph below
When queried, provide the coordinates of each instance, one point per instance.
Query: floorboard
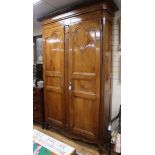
(82, 148)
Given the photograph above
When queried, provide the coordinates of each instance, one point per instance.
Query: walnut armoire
(77, 61)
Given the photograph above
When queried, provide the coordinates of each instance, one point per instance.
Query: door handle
(70, 85)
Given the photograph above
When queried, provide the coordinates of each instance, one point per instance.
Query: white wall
(36, 33)
(116, 83)
(37, 29)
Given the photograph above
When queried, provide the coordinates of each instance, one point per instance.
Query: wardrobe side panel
(107, 72)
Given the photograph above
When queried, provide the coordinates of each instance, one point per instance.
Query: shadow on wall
(116, 68)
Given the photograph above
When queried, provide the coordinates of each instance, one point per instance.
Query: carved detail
(55, 41)
(84, 38)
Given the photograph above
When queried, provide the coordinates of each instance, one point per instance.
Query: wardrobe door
(54, 75)
(84, 78)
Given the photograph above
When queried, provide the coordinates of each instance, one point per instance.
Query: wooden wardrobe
(77, 61)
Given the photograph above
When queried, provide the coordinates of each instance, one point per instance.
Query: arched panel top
(85, 45)
(54, 47)
(55, 42)
(85, 37)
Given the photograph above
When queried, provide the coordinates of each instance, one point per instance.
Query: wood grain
(77, 72)
(84, 66)
(54, 76)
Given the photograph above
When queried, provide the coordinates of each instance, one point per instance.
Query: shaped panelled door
(84, 78)
(54, 75)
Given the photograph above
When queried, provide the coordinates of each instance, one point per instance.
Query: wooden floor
(80, 147)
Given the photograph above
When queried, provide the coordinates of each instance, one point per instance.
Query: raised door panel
(84, 73)
(54, 76)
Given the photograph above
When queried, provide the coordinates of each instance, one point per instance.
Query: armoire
(77, 69)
